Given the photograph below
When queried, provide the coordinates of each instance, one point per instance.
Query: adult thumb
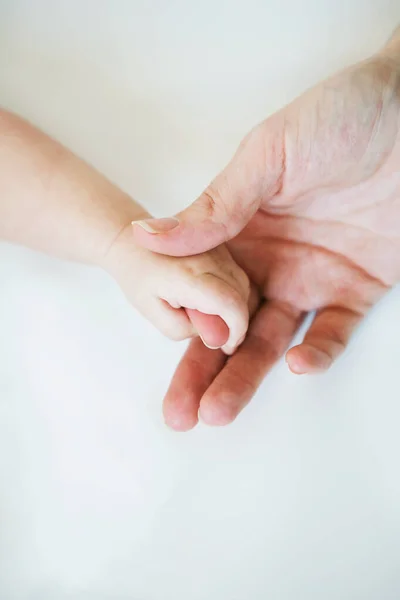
(226, 206)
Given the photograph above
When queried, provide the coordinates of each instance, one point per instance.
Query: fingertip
(141, 233)
(306, 359)
(212, 329)
(216, 415)
(157, 226)
(230, 350)
(208, 345)
(176, 238)
(180, 407)
(163, 236)
(180, 421)
(295, 363)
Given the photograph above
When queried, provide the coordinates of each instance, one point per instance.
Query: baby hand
(162, 287)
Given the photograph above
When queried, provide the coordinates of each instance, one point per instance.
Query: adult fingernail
(158, 225)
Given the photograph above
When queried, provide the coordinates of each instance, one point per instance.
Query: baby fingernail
(158, 225)
(209, 347)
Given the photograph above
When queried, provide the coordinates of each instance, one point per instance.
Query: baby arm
(52, 201)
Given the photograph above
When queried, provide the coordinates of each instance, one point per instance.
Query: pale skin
(309, 207)
(52, 201)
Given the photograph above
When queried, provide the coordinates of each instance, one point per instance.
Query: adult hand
(310, 209)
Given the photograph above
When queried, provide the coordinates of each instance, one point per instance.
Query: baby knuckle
(195, 266)
(243, 281)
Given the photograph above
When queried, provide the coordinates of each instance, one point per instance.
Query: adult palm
(310, 208)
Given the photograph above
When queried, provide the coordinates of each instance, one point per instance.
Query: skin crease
(310, 208)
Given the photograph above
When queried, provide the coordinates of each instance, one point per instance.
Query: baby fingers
(209, 294)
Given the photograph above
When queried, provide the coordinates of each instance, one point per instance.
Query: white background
(300, 498)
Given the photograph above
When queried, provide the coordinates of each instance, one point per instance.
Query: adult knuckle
(215, 204)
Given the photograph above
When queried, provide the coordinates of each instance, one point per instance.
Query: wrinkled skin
(310, 208)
